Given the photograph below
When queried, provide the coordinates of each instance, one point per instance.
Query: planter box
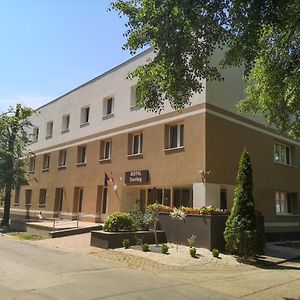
(110, 240)
(208, 229)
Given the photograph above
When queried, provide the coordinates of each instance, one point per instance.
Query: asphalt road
(32, 272)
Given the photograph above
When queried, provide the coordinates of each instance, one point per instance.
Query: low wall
(110, 240)
(209, 230)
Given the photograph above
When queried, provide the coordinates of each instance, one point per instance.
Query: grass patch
(28, 237)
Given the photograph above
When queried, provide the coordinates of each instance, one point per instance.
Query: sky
(48, 47)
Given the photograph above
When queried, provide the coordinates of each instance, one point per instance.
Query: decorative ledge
(84, 124)
(45, 170)
(65, 131)
(61, 167)
(83, 164)
(104, 160)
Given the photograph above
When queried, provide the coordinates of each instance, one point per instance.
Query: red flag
(106, 180)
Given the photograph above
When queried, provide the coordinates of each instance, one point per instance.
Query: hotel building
(96, 154)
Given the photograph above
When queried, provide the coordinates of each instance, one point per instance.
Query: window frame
(85, 116)
(46, 162)
(32, 164)
(140, 143)
(65, 129)
(179, 142)
(60, 156)
(49, 130)
(287, 160)
(35, 134)
(43, 192)
(282, 204)
(79, 155)
(105, 114)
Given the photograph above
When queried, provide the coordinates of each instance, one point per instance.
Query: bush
(145, 247)
(242, 235)
(126, 243)
(193, 252)
(119, 222)
(215, 252)
(164, 249)
(191, 241)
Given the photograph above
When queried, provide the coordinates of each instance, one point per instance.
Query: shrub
(191, 241)
(164, 249)
(119, 222)
(145, 247)
(215, 252)
(126, 243)
(242, 235)
(193, 252)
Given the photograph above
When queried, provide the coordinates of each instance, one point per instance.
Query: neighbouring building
(95, 153)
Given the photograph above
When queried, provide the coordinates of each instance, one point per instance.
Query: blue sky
(48, 47)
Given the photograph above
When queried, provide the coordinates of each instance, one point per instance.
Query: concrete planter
(209, 229)
(110, 240)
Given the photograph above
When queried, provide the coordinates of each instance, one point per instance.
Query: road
(32, 272)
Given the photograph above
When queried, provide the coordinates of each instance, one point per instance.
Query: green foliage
(242, 235)
(215, 252)
(191, 241)
(145, 247)
(164, 249)
(126, 243)
(193, 252)
(263, 36)
(119, 222)
(28, 237)
(14, 125)
(141, 220)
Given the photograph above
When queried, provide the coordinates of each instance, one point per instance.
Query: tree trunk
(6, 213)
(10, 166)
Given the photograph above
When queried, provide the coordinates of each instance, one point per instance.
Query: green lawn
(27, 236)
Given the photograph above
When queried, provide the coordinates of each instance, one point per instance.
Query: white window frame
(179, 142)
(106, 156)
(46, 162)
(79, 158)
(49, 129)
(133, 98)
(65, 126)
(44, 194)
(62, 158)
(140, 143)
(281, 203)
(284, 159)
(32, 164)
(35, 134)
(105, 106)
(85, 116)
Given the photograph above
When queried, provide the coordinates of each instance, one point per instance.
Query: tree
(261, 35)
(242, 234)
(13, 142)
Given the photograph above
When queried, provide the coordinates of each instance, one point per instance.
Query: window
(282, 154)
(159, 195)
(42, 198)
(285, 202)
(223, 199)
(108, 107)
(84, 116)
(81, 155)
(175, 136)
(46, 162)
(104, 200)
(65, 124)
(183, 197)
(137, 143)
(105, 150)
(133, 97)
(35, 134)
(62, 158)
(17, 196)
(28, 197)
(49, 130)
(80, 200)
(31, 164)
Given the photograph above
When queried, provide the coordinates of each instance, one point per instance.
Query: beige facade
(188, 158)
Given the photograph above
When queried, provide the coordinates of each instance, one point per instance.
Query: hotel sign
(137, 177)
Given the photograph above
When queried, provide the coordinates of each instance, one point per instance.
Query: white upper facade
(82, 112)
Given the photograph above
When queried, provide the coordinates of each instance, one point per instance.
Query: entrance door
(80, 200)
